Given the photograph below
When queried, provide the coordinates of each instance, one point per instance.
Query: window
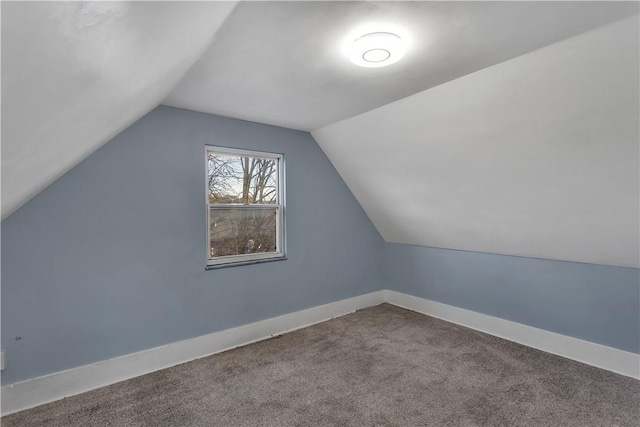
(244, 206)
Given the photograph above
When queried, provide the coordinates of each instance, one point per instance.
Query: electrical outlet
(1, 360)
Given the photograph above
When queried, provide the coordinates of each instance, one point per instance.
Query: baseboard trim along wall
(608, 358)
(38, 391)
(48, 388)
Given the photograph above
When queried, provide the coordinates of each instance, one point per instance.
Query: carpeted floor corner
(381, 366)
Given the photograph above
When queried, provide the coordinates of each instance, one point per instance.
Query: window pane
(241, 179)
(242, 231)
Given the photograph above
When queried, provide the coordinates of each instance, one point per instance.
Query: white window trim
(242, 259)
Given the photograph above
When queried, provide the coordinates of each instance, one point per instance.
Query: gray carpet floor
(382, 366)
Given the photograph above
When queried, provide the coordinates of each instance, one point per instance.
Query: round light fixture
(377, 50)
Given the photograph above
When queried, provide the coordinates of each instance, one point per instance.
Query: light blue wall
(110, 259)
(592, 302)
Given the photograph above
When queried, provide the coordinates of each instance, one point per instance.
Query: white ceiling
(537, 156)
(534, 156)
(280, 63)
(74, 74)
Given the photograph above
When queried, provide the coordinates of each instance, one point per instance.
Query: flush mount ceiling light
(377, 49)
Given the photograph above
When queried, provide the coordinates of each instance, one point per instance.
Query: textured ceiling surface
(537, 156)
(74, 74)
(281, 63)
(509, 127)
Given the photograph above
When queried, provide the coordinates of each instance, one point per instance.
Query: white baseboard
(38, 391)
(611, 359)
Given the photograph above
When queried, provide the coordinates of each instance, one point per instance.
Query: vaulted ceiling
(75, 74)
(281, 63)
(537, 156)
(509, 127)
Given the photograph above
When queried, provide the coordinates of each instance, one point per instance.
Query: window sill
(247, 262)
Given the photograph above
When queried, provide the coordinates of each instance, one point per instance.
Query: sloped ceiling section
(537, 156)
(282, 63)
(74, 74)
